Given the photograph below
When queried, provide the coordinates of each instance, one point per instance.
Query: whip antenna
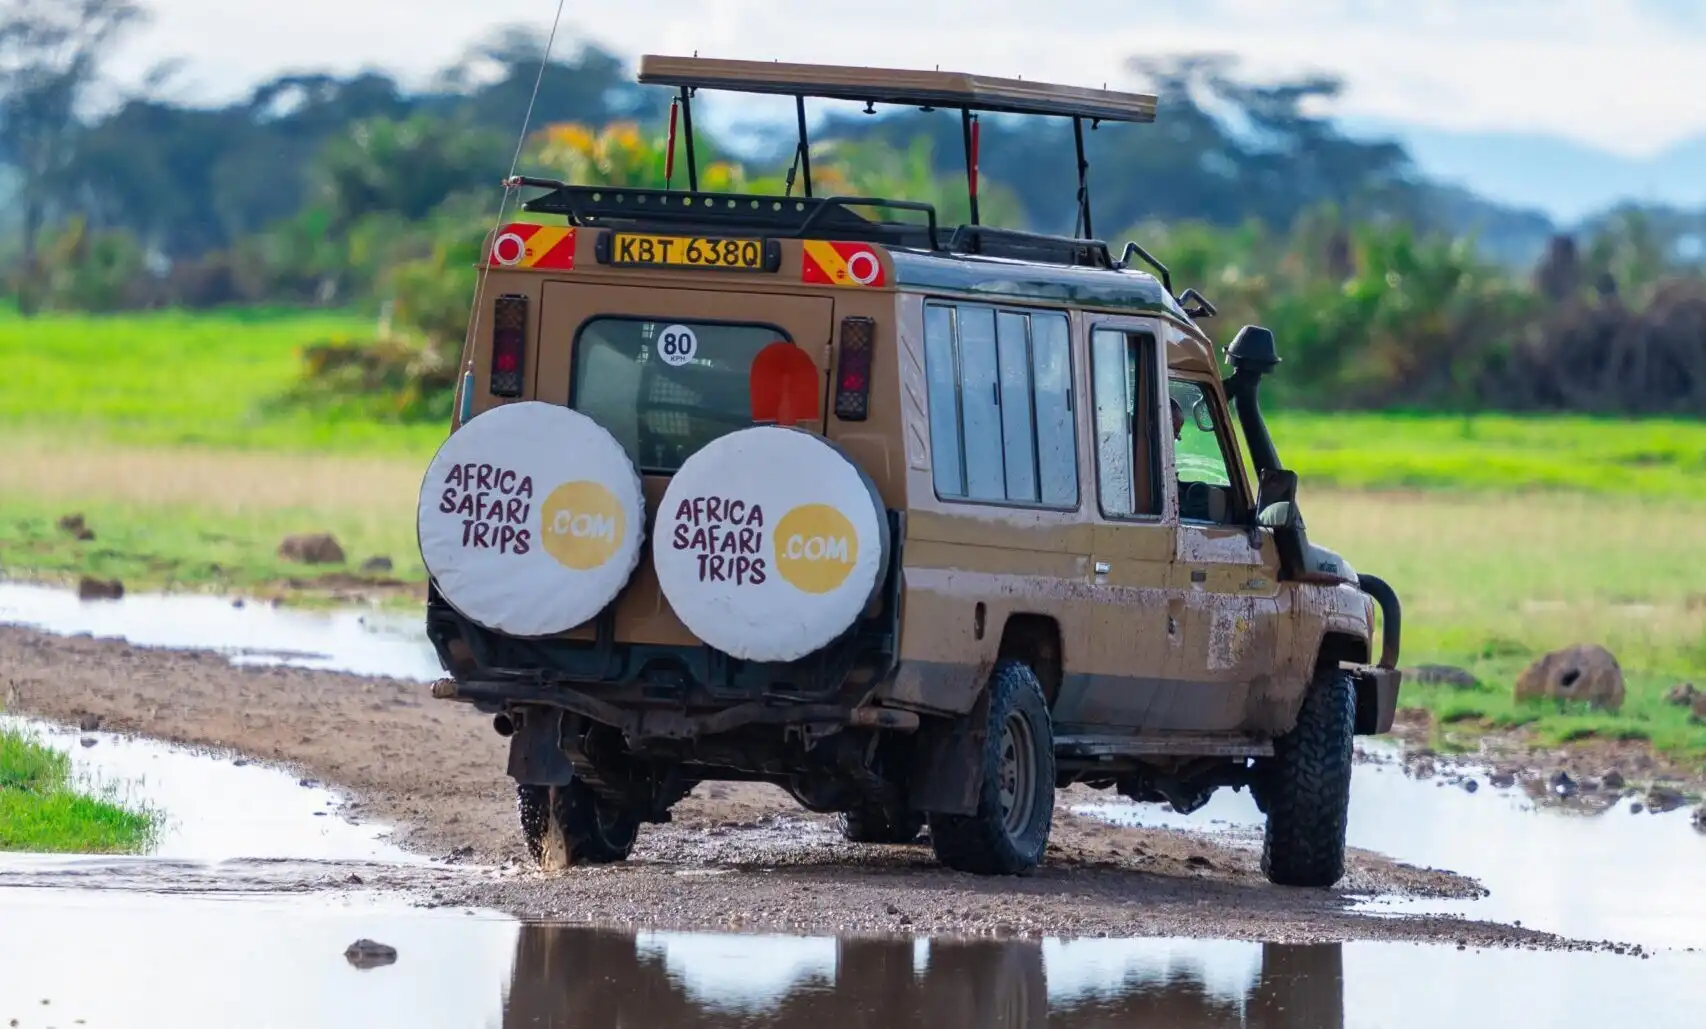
(510, 186)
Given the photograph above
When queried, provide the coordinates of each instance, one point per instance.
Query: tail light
(853, 369)
(509, 345)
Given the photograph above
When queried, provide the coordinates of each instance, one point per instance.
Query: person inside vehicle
(1178, 418)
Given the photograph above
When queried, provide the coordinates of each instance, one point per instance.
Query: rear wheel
(874, 825)
(571, 825)
(1307, 786)
(1008, 832)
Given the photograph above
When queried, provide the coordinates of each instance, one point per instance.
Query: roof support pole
(1083, 178)
(687, 126)
(971, 161)
(805, 143)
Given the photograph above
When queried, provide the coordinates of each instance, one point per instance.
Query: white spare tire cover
(769, 543)
(531, 519)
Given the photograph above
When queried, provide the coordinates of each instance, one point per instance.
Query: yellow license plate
(687, 252)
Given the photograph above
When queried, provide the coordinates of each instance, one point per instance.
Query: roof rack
(860, 219)
(954, 90)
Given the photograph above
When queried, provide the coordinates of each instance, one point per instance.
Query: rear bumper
(672, 723)
(1377, 700)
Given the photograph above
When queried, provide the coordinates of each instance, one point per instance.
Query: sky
(1623, 76)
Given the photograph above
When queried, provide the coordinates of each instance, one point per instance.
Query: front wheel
(565, 826)
(1008, 832)
(1307, 786)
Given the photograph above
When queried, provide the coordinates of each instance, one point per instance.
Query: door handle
(1198, 575)
(1103, 567)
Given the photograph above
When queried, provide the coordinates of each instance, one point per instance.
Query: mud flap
(1377, 700)
(536, 755)
(947, 761)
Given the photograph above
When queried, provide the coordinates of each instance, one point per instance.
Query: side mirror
(1277, 509)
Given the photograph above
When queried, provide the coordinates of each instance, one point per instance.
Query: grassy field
(41, 811)
(1506, 537)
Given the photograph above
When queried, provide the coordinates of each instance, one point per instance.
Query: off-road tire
(874, 825)
(989, 842)
(1307, 786)
(564, 826)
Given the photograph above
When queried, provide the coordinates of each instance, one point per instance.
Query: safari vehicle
(815, 491)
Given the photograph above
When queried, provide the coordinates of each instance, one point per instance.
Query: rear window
(665, 388)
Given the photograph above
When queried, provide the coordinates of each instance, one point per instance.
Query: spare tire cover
(769, 543)
(531, 519)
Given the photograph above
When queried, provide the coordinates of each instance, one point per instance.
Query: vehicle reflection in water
(572, 976)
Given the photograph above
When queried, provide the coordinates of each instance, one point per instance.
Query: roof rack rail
(834, 217)
(1018, 244)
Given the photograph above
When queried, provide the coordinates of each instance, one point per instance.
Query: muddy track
(736, 856)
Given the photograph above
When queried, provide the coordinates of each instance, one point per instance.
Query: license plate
(687, 252)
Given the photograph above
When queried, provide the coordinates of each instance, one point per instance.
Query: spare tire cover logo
(816, 548)
(581, 524)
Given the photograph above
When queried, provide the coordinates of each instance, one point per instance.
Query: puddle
(364, 642)
(1632, 878)
(187, 963)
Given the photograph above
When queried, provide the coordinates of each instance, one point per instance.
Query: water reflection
(573, 976)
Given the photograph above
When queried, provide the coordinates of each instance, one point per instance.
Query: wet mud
(736, 856)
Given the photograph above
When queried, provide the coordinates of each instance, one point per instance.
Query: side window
(1122, 374)
(1000, 395)
(1206, 493)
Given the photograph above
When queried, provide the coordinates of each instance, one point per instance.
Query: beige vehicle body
(1011, 402)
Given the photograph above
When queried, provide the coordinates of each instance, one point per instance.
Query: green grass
(1505, 536)
(41, 811)
(181, 378)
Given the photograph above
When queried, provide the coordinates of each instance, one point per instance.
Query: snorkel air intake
(1252, 356)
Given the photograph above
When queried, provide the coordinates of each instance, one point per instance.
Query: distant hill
(1569, 181)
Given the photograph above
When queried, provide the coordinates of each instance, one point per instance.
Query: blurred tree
(50, 54)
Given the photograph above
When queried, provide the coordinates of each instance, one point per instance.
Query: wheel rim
(1018, 775)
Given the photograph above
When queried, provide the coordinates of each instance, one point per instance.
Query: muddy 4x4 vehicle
(919, 524)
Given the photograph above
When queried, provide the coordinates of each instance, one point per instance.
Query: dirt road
(736, 856)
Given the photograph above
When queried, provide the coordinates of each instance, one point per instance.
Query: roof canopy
(953, 90)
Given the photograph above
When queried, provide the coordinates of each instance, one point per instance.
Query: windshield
(665, 388)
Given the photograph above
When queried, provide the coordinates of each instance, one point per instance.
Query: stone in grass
(1682, 694)
(91, 588)
(376, 565)
(1698, 709)
(1442, 675)
(1587, 673)
(365, 954)
(76, 526)
(317, 548)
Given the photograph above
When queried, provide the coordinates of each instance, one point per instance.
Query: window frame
(1156, 485)
(955, 306)
(1230, 454)
(782, 335)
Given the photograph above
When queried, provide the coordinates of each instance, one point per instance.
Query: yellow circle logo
(581, 524)
(816, 548)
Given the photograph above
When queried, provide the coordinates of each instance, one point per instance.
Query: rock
(74, 524)
(1470, 786)
(88, 741)
(1587, 673)
(1699, 709)
(99, 589)
(1502, 780)
(1613, 780)
(1682, 694)
(366, 954)
(1562, 784)
(1700, 819)
(1442, 675)
(1637, 807)
(1662, 799)
(89, 723)
(320, 548)
(376, 565)
(1198, 861)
